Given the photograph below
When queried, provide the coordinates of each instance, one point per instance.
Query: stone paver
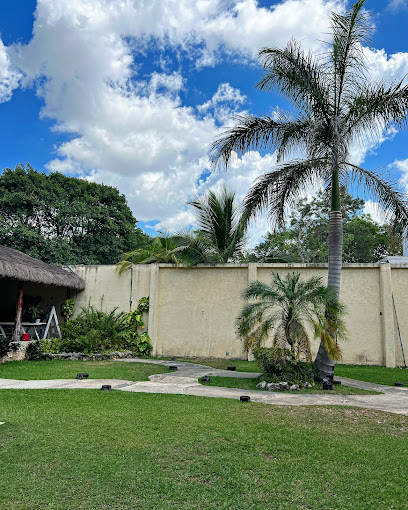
(184, 382)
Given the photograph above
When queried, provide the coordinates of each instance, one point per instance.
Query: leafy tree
(65, 220)
(333, 106)
(305, 238)
(290, 305)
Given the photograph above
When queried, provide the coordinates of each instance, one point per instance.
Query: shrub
(51, 345)
(97, 331)
(7, 345)
(281, 365)
(34, 352)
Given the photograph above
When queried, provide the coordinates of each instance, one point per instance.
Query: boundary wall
(193, 310)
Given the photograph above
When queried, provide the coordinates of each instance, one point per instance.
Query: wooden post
(19, 313)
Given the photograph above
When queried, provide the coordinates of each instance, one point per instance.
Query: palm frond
(375, 107)
(222, 224)
(350, 31)
(297, 76)
(256, 133)
(390, 197)
(280, 189)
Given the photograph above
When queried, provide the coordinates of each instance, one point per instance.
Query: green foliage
(222, 229)
(305, 238)
(279, 365)
(65, 220)
(164, 249)
(7, 344)
(68, 308)
(34, 352)
(51, 345)
(94, 331)
(219, 239)
(35, 311)
(289, 305)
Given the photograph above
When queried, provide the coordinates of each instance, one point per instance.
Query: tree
(219, 238)
(164, 249)
(289, 305)
(333, 106)
(304, 239)
(65, 220)
(221, 235)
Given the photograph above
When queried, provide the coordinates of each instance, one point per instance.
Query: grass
(373, 374)
(67, 369)
(88, 449)
(250, 384)
(242, 365)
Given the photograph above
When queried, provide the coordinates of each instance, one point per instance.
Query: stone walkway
(184, 382)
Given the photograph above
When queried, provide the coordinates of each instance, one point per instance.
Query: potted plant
(35, 312)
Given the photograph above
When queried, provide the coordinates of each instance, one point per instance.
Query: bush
(51, 345)
(281, 365)
(95, 331)
(7, 345)
(34, 352)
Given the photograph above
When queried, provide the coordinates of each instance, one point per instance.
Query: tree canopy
(65, 220)
(305, 237)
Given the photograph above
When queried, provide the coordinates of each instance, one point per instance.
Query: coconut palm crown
(334, 105)
(222, 227)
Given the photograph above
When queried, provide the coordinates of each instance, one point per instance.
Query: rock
(307, 385)
(294, 387)
(261, 385)
(284, 385)
(273, 386)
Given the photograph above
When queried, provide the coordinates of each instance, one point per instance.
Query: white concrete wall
(193, 310)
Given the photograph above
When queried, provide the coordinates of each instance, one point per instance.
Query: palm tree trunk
(323, 363)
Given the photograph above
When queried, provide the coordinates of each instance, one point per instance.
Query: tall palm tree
(289, 305)
(222, 228)
(334, 105)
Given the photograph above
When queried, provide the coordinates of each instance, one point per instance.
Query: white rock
(261, 385)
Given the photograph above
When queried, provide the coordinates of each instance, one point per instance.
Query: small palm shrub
(287, 308)
(279, 365)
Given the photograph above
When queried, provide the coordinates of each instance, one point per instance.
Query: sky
(132, 92)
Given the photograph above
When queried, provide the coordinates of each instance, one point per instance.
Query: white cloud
(383, 67)
(224, 94)
(376, 212)
(9, 79)
(396, 5)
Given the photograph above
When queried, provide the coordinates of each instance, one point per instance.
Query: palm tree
(164, 249)
(289, 305)
(220, 238)
(333, 105)
(221, 235)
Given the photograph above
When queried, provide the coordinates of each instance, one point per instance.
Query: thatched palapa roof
(22, 267)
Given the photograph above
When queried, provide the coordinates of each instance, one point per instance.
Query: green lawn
(66, 369)
(89, 449)
(242, 366)
(374, 374)
(250, 384)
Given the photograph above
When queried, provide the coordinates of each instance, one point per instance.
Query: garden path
(184, 382)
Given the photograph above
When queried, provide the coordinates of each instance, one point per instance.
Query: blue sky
(131, 96)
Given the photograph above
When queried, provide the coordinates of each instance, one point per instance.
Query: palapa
(19, 266)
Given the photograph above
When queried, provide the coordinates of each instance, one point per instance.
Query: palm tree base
(324, 365)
